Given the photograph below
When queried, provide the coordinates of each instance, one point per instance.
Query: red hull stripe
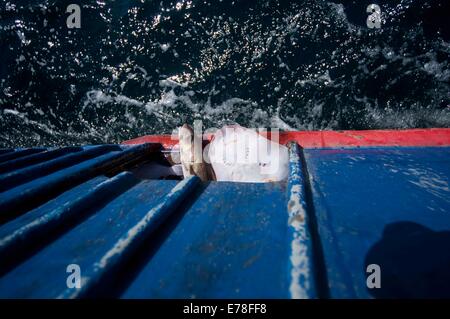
(321, 139)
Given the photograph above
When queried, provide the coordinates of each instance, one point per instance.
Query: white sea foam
(305, 67)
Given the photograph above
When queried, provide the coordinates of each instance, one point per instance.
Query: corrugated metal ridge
(130, 241)
(11, 154)
(21, 162)
(6, 150)
(31, 220)
(307, 270)
(30, 186)
(33, 229)
(57, 205)
(20, 233)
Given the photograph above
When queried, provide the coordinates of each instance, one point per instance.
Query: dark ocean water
(143, 67)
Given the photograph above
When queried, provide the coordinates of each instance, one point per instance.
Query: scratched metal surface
(309, 237)
(385, 206)
(230, 243)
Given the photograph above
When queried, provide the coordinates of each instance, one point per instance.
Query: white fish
(238, 154)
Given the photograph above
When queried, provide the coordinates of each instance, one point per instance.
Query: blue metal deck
(309, 237)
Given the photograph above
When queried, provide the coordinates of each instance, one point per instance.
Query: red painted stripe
(165, 140)
(320, 139)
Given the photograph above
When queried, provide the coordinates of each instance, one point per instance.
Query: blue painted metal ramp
(309, 237)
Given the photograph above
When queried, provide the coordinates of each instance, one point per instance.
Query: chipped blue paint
(20, 176)
(118, 227)
(302, 285)
(15, 201)
(230, 243)
(7, 156)
(15, 164)
(309, 237)
(133, 237)
(25, 229)
(389, 206)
